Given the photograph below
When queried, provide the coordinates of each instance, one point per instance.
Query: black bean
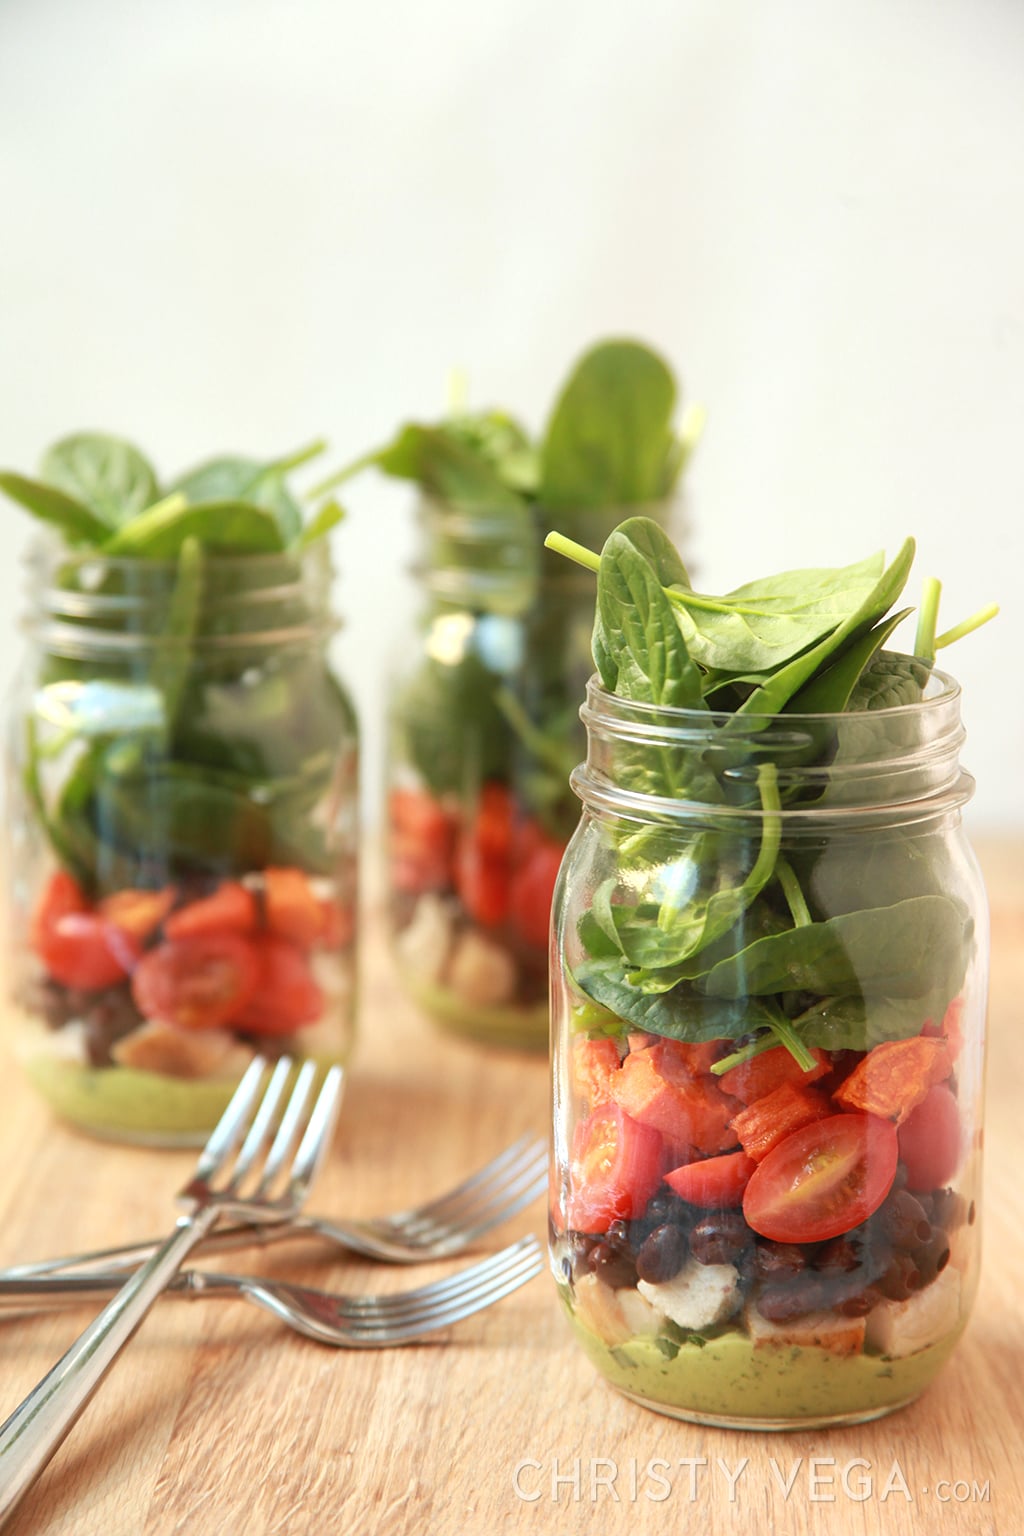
(858, 1303)
(932, 1258)
(611, 1265)
(901, 1279)
(662, 1255)
(720, 1238)
(839, 1254)
(902, 1218)
(949, 1210)
(777, 1261)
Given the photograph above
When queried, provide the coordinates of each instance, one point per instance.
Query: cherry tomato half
(930, 1140)
(615, 1169)
(197, 983)
(78, 946)
(823, 1179)
(716, 1183)
(286, 995)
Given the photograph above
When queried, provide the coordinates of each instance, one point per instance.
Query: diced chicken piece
(156, 1047)
(69, 1043)
(698, 1297)
(482, 974)
(817, 1330)
(615, 1316)
(424, 945)
(902, 1327)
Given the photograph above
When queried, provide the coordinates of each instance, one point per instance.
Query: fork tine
(485, 1178)
(315, 1143)
(517, 1269)
(371, 1309)
(261, 1124)
(228, 1131)
(291, 1120)
(477, 1212)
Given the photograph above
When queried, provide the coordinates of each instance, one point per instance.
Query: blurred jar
(767, 1154)
(484, 732)
(182, 826)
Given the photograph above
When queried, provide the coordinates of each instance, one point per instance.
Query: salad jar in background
(484, 731)
(767, 1157)
(182, 828)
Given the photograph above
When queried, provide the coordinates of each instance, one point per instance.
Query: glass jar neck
(883, 767)
(493, 557)
(90, 606)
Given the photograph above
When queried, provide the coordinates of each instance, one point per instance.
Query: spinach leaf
(108, 475)
(639, 631)
(234, 527)
(855, 1023)
(681, 1014)
(774, 694)
(609, 441)
(75, 521)
(329, 515)
(236, 478)
(895, 951)
(834, 689)
(765, 623)
(890, 680)
(653, 936)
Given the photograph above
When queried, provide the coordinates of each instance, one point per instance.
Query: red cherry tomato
(930, 1140)
(421, 841)
(197, 983)
(286, 995)
(533, 886)
(823, 1179)
(230, 909)
(717, 1182)
(615, 1169)
(77, 945)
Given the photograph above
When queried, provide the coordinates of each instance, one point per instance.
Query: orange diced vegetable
(764, 1073)
(292, 907)
(894, 1077)
(766, 1122)
(655, 1088)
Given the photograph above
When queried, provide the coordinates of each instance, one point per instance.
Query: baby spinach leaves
(101, 492)
(151, 754)
(840, 943)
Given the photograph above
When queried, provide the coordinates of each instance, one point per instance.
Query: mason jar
(768, 1001)
(484, 731)
(181, 828)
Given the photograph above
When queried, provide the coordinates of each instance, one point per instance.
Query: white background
(238, 224)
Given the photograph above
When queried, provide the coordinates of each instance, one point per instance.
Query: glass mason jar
(182, 829)
(484, 731)
(769, 987)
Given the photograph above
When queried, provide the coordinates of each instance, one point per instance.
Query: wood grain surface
(218, 1421)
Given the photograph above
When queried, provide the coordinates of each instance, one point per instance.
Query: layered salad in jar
(769, 1006)
(484, 725)
(183, 772)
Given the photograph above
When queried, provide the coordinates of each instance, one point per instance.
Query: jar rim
(672, 716)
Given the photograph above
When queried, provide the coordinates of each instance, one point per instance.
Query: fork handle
(109, 1261)
(33, 1432)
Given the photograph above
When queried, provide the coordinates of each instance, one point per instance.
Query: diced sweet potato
(762, 1074)
(894, 1077)
(655, 1087)
(766, 1122)
(951, 1027)
(594, 1063)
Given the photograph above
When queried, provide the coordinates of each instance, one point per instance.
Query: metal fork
(283, 1174)
(436, 1230)
(351, 1322)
